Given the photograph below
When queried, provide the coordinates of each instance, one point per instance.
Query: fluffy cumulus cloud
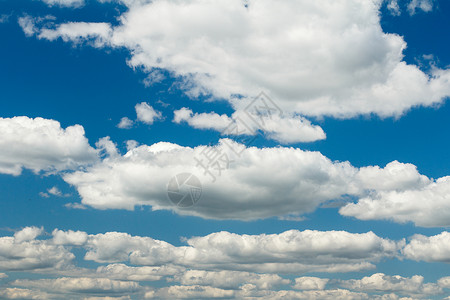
(218, 265)
(314, 57)
(310, 283)
(42, 145)
(24, 252)
(242, 188)
(147, 114)
(383, 283)
(70, 237)
(125, 123)
(229, 279)
(285, 130)
(289, 252)
(424, 5)
(146, 273)
(431, 249)
(425, 205)
(249, 291)
(80, 285)
(19, 293)
(237, 182)
(202, 120)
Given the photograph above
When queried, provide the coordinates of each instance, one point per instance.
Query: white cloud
(394, 8)
(108, 298)
(146, 113)
(107, 148)
(385, 283)
(17, 293)
(96, 34)
(125, 123)
(444, 282)
(124, 272)
(80, 285)
(202, 120)
(70, 237)
(27, 234)
(221, 264)
(75, 206)
(310, 283)
(314, 57)
(249, 291)
(24, 252)
(28, 26)
(430, 249)
(425, 205)
(3, 275)
(65, 3)
(289, 252)
(424, 5)
(286, 130)
(42, 145)
(394, 176)
(229, 279)
(246, 190)
(190, 292)
(131, 144)
(340, 294)
(55, 191)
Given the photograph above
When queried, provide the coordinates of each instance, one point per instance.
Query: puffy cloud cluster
(244, 187)
(18, 293)
(42, 145)
(240, 184)
(424, 5)
(80, 285)
(23, 252)
(218, 265)
(315, 58)
(383, 283)
(286, 130)
(310, 283)
(290, 252)
(146, 113)
(426, 205)
(125, 123)
(230, 279)
(431, 249)
(146, 273)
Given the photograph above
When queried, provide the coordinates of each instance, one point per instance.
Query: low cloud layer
(220, 264)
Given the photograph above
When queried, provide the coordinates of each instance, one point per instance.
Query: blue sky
(355, 164)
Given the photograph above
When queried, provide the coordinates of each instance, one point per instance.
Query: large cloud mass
(312, 57)
(426, 205)
(221, 264)
(42, 145)
(243, 182)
